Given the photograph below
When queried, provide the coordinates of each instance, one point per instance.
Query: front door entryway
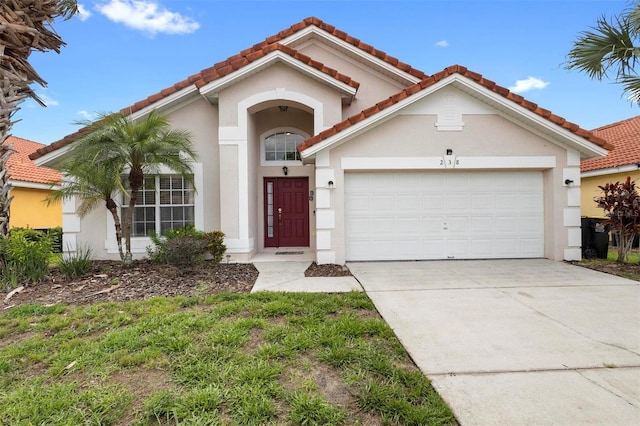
(286, 212)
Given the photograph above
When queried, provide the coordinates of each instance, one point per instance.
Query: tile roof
(625, 137)
(21, 168)
(244, 58)
(430, 81)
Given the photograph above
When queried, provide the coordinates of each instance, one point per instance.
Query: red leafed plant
(621, 204)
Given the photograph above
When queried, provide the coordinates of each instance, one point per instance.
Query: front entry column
(234, 191)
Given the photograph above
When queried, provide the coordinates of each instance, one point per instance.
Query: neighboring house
(313, 139)
(622, 161)
(30, 185)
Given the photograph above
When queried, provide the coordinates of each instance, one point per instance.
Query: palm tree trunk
(5, 189)
(113, 208)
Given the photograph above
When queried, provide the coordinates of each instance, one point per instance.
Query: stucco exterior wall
(373, 85)
(483, 135)
(590, 190)
(248, 109)
(279, 76)
(96, 230)
(28, 209)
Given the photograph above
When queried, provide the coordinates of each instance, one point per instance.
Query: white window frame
(157, 205)
(139, 244)
(265, 135)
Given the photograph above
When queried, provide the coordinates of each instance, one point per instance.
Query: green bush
(203, 242)
(76, 264)
(215, 245)
(185, 251)
(25, 255)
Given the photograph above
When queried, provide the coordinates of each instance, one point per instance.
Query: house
(315, 140)
(622, 161)
(30, 185)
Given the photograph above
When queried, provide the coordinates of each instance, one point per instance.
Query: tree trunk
(136, 181)
(113, 208)
(5, 189)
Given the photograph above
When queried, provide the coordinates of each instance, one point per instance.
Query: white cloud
(83, 12)
(442, 43)
(48, 101)
(147, 16)
(530, 83)
(86, 115)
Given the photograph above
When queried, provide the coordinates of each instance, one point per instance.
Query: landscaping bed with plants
(111, 281)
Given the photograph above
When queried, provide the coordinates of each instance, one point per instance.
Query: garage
(449, 214)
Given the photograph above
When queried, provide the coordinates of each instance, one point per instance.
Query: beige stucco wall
(483, 135)
(374, 86)
(248, 110)
(199, 117)
(269, 80)
(590, 190)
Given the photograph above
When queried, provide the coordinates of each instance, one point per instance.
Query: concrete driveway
(517, 342)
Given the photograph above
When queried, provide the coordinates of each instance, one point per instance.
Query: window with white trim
(281, 147)
(164, 202)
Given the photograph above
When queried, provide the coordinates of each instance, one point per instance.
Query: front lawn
(223, 359)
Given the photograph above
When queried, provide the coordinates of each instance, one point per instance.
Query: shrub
(211, 242)
(25, 256)
(215, 245)
(76, 264)
(185, 251)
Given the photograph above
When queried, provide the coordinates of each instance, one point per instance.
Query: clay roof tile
(20, 166)
(429, 81)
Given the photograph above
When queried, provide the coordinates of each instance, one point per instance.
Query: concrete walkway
(289, 276)
(517, 342)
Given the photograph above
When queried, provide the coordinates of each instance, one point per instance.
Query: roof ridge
(617, 123)
(198, 78)
(248, 56)
(431, 80)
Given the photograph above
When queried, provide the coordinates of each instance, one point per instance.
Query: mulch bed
(110, 281)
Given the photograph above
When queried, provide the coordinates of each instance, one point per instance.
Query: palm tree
(25, 26)
(92, 184)
(611, 46)
(134, 149)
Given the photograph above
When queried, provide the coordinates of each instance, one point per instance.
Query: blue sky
(121, 51)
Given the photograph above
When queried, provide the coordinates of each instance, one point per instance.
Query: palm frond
(609, 45)
(631, 86)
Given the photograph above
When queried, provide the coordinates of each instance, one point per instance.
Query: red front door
(286, 212)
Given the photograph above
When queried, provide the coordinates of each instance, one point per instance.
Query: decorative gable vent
(450, 116)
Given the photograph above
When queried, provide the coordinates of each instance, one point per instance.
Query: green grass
(227, 359)
(612, 256)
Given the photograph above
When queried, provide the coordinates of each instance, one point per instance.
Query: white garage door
(443, 215)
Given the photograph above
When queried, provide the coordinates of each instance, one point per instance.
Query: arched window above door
(278, 147)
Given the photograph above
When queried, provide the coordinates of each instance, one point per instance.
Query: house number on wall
(449, 161)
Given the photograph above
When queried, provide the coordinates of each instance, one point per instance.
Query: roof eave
(212, 89)
(532, 120)
(507, 108)
(389, 69)
(626, 168)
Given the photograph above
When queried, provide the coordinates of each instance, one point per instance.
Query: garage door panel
(440, 215)
(432, 203)
(382, 202)
(482, 201)
(407, 202)
(431, 225)
(457, 202)
(358, 203)
(407, 225)
(505, 201)
(482, 247)
(480, 225)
